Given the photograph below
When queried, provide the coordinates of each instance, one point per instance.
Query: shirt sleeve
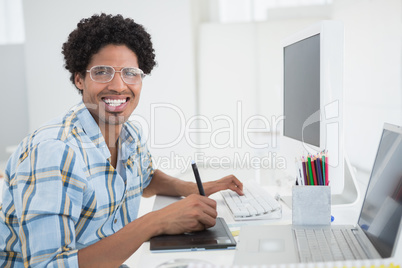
(47, 189)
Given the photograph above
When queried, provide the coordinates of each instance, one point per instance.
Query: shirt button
(115, 220)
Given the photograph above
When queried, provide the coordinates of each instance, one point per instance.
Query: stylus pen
(197, 178)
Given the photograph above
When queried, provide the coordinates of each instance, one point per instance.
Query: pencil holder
(311, 205)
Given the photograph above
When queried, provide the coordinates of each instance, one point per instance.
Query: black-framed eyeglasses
(105, 74)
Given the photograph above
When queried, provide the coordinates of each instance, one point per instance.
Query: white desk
(144, 258)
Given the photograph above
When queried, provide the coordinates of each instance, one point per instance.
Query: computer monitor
(313, 99)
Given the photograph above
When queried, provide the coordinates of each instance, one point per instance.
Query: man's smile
(115, 104)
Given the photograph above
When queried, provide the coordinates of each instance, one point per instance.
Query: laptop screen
(382, 208)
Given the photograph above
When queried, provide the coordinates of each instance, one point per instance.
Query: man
(73, 187)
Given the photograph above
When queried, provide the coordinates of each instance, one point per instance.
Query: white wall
(50, 92)
(373, 69)
(227, 87)
(240, 77)
(13, 109)
(242, 61)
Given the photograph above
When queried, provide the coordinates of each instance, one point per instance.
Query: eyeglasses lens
(131, 75)
(104, 74)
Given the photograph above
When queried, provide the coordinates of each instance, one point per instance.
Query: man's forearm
(113, 250)
(164, 184)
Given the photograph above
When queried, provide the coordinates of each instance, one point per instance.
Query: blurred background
(219, 65)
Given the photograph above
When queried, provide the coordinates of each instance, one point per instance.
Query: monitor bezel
(331, 99)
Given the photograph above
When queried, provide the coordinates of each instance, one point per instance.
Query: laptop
(375, 235)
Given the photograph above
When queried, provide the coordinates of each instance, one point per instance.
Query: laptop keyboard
(316, 245)
(256, 203)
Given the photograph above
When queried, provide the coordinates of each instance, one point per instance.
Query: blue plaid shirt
(61, 193)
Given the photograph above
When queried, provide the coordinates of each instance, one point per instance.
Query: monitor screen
(382, 209)
(302, 90)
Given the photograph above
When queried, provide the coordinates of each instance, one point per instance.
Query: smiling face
(113, 102)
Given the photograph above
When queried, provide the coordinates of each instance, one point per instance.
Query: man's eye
(101, 73)
(132, 73)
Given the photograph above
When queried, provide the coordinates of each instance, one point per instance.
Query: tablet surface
(217, 237)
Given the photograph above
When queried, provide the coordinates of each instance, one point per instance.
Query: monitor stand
(350, 194)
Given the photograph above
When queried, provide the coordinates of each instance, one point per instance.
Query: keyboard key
(327, 245)
(256, 203)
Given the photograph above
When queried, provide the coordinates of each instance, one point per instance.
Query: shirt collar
(128, 137)
(91, 128)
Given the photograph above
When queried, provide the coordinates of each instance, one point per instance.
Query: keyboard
(318, 245)
(256, 203)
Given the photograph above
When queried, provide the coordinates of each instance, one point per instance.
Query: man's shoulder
(57, 130)
(51, 140)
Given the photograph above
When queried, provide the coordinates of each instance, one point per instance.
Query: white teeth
(114, 102)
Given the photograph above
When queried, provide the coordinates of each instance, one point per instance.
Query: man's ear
(79, 81)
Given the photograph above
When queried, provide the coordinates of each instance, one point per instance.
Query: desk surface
(144, 258)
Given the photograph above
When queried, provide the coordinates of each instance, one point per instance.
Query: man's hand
(228, 182)
(164, 184)
(193, 213)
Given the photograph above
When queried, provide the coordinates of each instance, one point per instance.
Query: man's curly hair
(98, 31)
